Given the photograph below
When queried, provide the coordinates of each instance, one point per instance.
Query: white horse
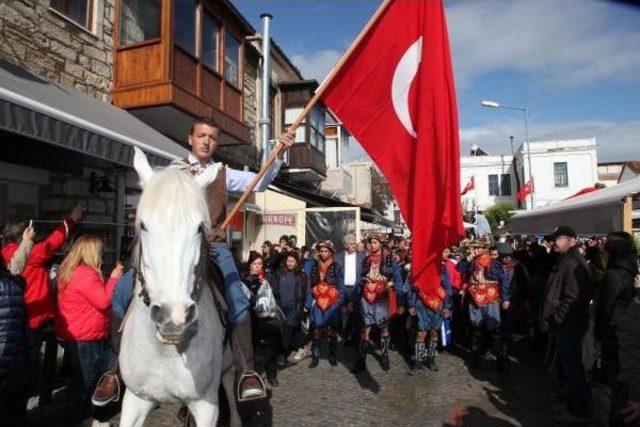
(172, 343)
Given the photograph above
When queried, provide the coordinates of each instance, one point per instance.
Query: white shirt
(350, 269)
(238, 181)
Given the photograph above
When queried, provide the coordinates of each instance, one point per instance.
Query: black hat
(505, 249)
(563, 230)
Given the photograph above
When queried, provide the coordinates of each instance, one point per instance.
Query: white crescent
(402, 78)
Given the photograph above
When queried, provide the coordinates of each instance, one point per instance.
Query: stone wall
(39, 39)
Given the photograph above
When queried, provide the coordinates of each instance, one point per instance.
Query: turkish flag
(470, 186)
(395, 94)
(525, 191)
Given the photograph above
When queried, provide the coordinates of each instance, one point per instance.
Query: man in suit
(350, 262)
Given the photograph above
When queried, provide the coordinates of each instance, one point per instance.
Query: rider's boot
(108, 388)
(384, 346)
(250, 384)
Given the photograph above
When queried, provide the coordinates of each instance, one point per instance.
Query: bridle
(201, 271)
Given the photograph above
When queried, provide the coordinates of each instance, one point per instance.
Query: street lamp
(493, 104)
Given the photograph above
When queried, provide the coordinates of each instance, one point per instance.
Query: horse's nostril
(191, 313)
(157, 313)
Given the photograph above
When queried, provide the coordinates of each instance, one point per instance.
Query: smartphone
(30, 223)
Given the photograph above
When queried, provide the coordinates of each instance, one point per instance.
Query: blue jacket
(13, 324)
(391, 270)
(495, 272)
(412, 295)
(334, 276)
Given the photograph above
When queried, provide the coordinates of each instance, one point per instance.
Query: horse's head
(171, 221)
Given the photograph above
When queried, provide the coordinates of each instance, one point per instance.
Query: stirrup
(243, 377)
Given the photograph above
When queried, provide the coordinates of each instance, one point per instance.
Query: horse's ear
(208, 175)
(142, 166)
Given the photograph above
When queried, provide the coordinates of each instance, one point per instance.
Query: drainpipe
(266, 56)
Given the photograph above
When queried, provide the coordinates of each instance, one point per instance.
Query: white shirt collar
(192, 160)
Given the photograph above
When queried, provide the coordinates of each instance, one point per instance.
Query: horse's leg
(205, 412)
(134, 410)
(228, 382)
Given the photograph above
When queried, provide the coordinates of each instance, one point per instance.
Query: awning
(45, 111)
(597, 212)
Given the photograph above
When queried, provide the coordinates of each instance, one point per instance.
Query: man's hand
(76, 213)
(446, 312)
(287, 139)
(117, 271)
(631, 413)
(505, 305)
(412, 311)
(389, 284)
(28, 233)
(400, 310)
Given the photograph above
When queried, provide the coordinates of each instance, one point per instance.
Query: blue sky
(574, 64)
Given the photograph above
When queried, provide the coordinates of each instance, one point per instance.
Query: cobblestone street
(334, 396)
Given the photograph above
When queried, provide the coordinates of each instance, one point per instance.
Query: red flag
(471, 185)
(525, 191)
(395, 94)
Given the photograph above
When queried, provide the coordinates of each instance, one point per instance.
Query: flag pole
(316, 97)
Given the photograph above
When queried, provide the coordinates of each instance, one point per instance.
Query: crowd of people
(574, 300)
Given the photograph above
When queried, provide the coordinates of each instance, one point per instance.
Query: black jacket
(13, 324)
(627, 320)
(615, 289)
(568, 292)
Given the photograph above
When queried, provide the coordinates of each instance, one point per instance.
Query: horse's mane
(173, 196)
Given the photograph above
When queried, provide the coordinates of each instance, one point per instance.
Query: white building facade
(561, 168)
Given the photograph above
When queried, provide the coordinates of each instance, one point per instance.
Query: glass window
(290, 115)
(210, 30)
(505, 184)
(185, 24)
(232, 59)
(494, 187)
(76, 10)
(560, 174)
(139, 21)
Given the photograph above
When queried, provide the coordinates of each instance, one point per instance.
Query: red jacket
(37, 294)
(83, 306)
(454, 274)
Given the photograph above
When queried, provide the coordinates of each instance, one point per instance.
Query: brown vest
(216, 200)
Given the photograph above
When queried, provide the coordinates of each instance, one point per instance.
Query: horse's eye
(142, 226)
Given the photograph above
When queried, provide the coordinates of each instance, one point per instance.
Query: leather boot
(361, 362)
(250, 384)
(384, 347)
(315, 353)
(333, 347)
(431, 356)
(418, 352)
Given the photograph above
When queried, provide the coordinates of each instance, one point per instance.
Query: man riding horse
(203, 139)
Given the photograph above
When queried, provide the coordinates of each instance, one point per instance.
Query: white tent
(598, 212)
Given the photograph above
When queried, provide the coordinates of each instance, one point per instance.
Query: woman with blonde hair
(83, 317)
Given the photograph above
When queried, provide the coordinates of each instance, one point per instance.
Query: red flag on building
(395, 94)
(525, 191)
(471, 185)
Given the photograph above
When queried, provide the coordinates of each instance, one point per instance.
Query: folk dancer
(488, 286)
(324, 299)
(378, 298)
(430, 312)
